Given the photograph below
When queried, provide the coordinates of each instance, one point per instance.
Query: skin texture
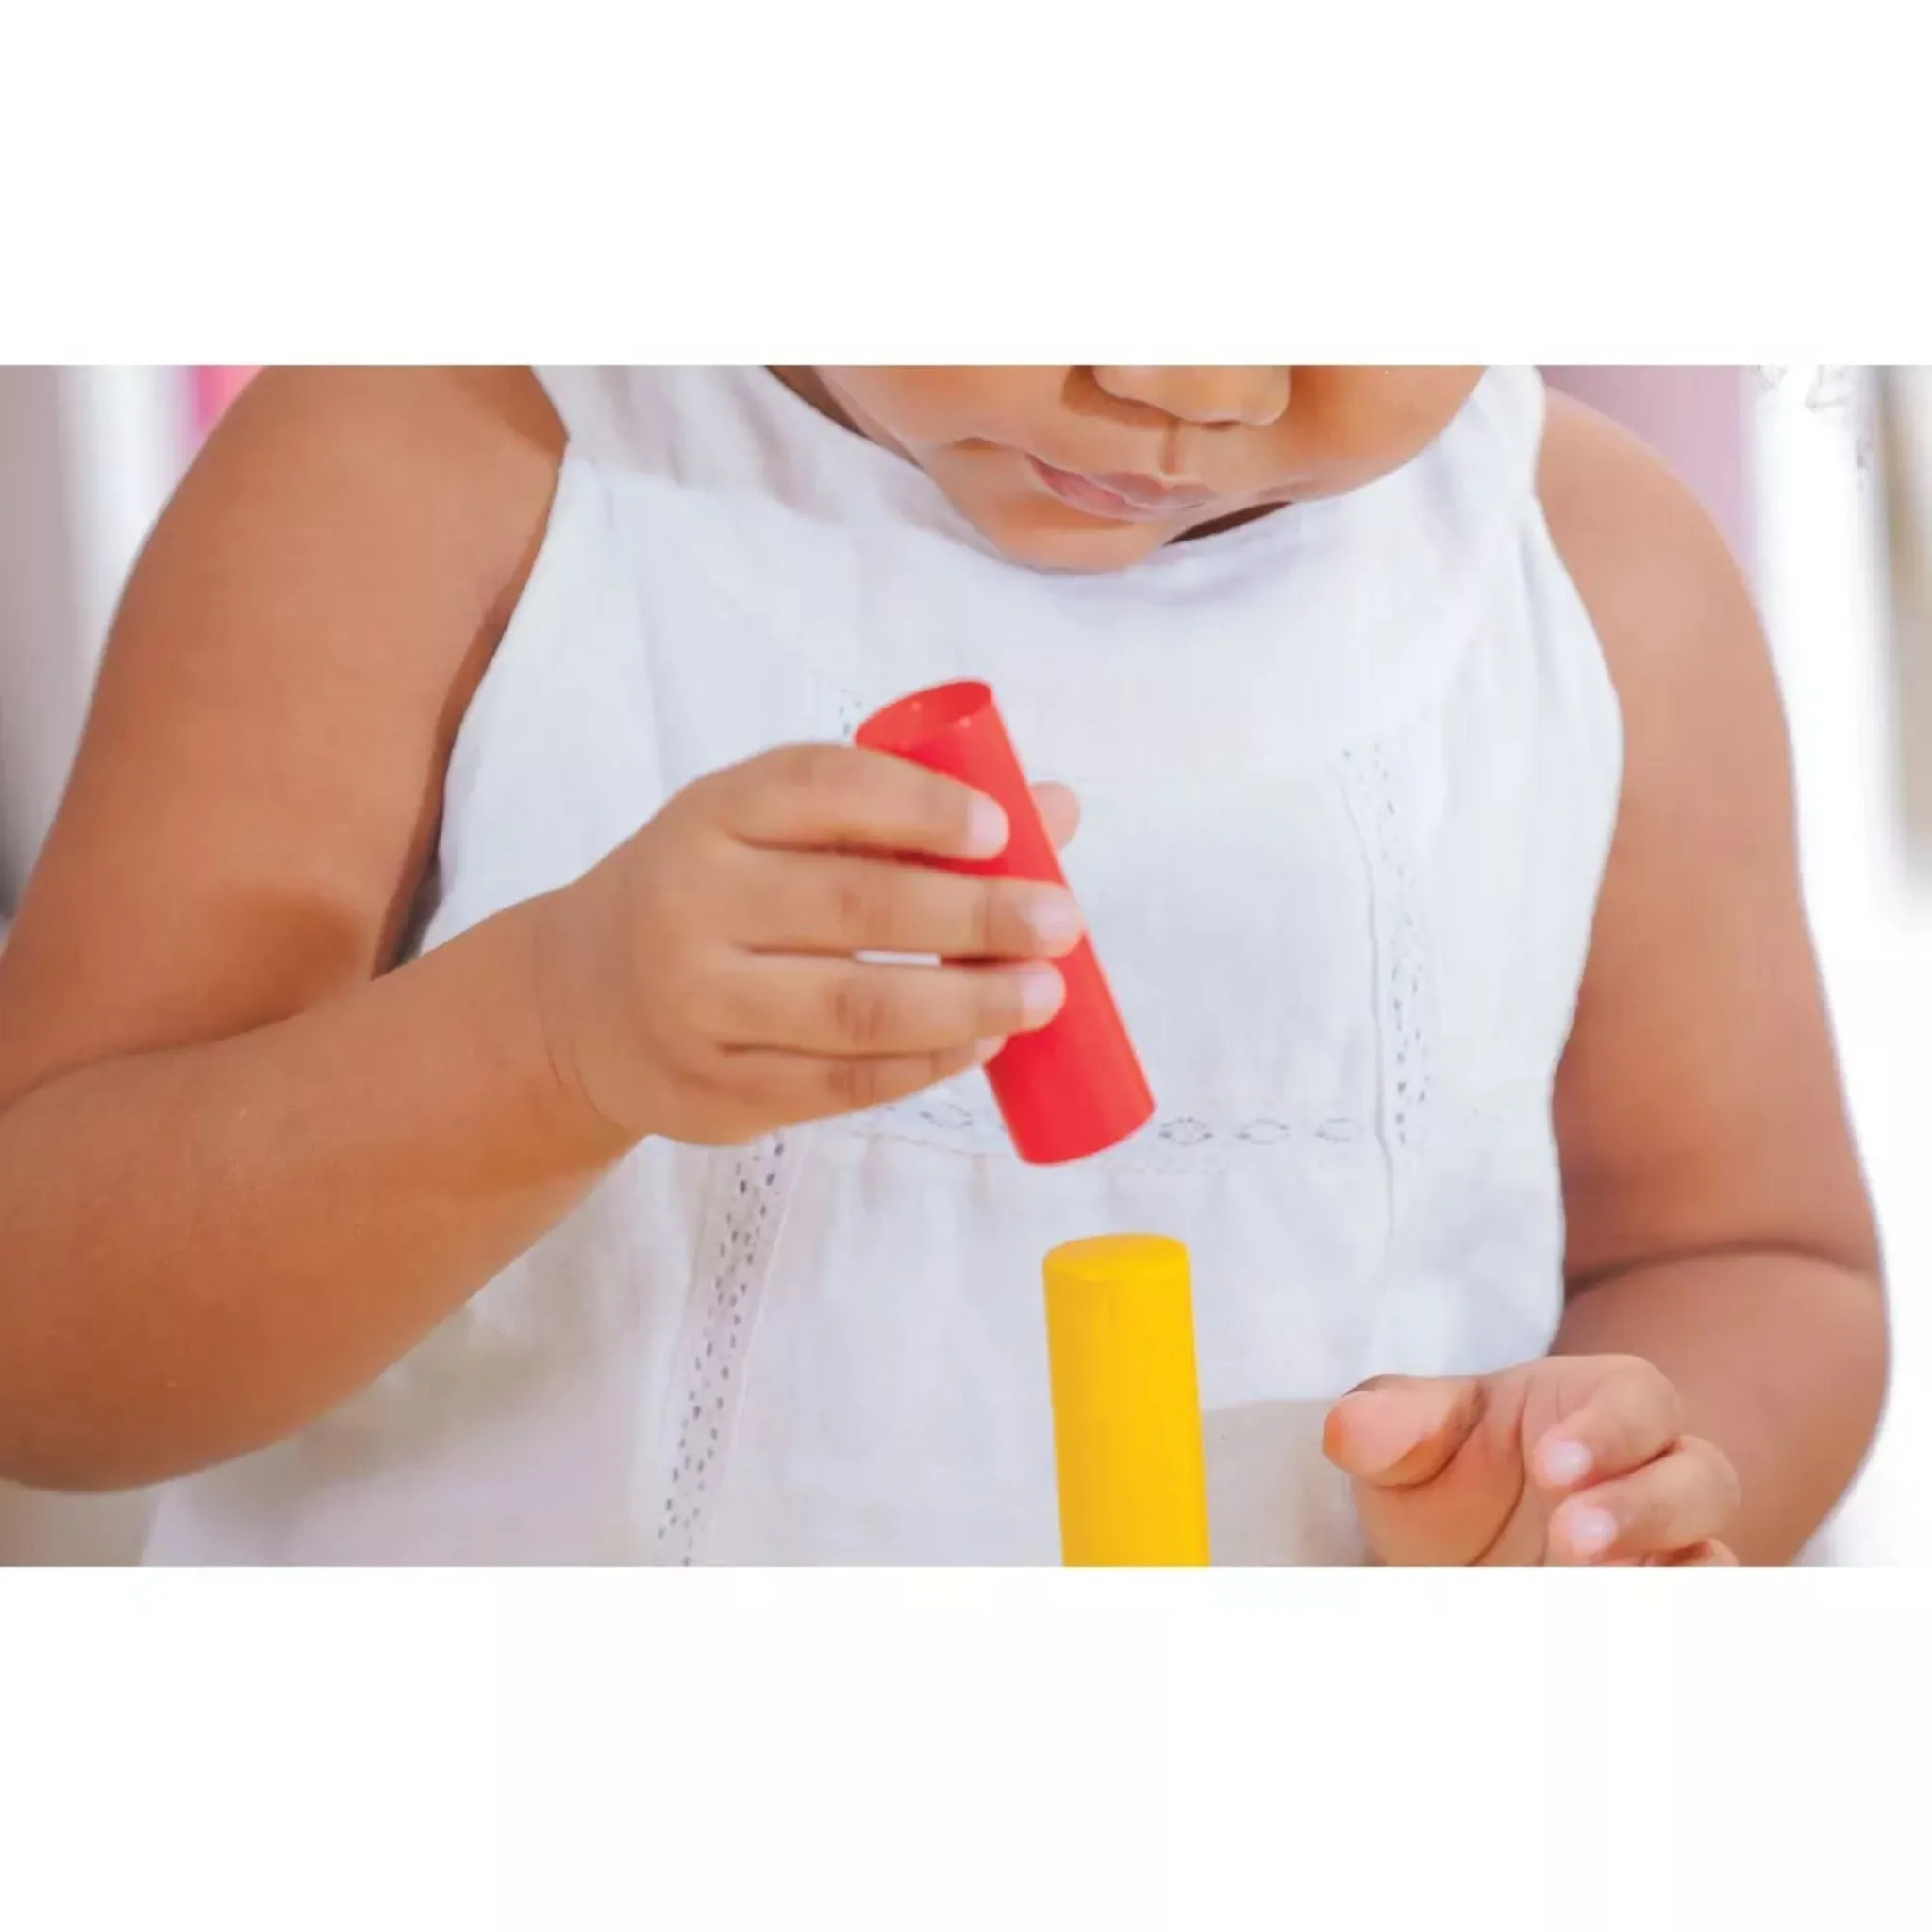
(244, 1165)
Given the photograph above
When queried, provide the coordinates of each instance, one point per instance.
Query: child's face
(1091, 469)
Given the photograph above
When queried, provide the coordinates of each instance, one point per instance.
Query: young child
(453, 1110)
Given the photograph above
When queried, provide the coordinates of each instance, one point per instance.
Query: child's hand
(701, 983)
(1571, 1459)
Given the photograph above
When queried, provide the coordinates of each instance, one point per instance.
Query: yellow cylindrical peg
(1126, 1405)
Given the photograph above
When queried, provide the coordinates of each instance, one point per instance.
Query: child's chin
(1044, 535)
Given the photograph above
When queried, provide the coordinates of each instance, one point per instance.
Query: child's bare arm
(1719, 1225)
(243, 1166)
(190, 1146)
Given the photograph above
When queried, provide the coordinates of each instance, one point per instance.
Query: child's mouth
(1123, 499)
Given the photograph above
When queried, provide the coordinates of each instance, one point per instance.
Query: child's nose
(1213, 397)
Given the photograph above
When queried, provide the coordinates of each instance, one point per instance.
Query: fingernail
(1563, 1461)
(1054, 918)
(1041, 989)
(1590, 1532)
(985, 1051)
(986, 828)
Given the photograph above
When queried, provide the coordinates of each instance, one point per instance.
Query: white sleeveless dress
(1350, 774)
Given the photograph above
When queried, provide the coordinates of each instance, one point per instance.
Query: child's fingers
(1711, 1555)
(1633, 1416)
(1061, 811)
(1397, 1431)
(800, 1087)
(840, 903)
(1437, 1473)
(812, 797)
(854, 1010)
(1686, 1497)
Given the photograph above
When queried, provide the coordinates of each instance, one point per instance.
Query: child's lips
(1127, 499)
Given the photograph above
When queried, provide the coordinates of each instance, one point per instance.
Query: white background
(1822, 570)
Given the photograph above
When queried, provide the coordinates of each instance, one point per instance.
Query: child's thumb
(1396, 1431)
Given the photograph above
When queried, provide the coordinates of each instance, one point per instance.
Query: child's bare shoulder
(1651, 566)
(260, 778)
(1705, 762)
(352, 444)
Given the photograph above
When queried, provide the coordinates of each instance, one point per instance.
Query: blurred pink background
(211, 391)
(1697, 418)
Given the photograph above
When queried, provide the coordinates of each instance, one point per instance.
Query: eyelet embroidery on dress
(945, 1117)
(740, 1234)
(1406, 1079)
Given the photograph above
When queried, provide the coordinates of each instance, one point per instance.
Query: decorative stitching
(1407, 1076)
(946, 1118)
(738, 1239)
